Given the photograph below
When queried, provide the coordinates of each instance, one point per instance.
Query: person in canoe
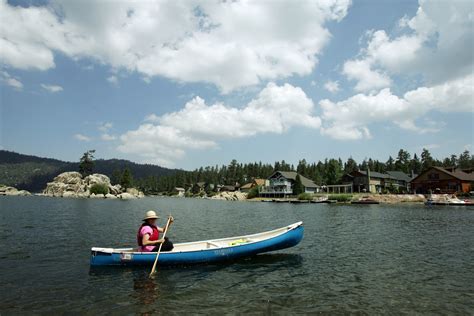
(148, 236)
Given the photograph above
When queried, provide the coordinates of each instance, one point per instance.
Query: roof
(458, 174)
(179, 189)
(399, 175)
(374, 174)
(291, 175)
(247, 185)
(259, 181)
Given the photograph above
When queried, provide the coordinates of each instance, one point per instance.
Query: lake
(369, 259)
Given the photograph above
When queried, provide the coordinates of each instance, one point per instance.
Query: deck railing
(273, 190)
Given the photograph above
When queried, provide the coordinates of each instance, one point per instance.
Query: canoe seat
(210, 244)
(239, 242)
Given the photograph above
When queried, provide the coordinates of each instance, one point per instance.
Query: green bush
(305, 197)
(99, 188)
(253, 193)
(341, 197)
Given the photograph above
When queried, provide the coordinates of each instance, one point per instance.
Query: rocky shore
(72, 184)
(5, 190)
(230, 196)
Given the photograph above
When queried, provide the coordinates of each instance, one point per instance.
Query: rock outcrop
(71, 184)
(4, 190)
(230, 196)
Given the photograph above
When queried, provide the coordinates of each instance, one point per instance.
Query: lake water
(353, 259)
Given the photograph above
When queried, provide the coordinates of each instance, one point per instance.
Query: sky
(185, 84)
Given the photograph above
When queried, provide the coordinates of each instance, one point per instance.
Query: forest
(324, 172)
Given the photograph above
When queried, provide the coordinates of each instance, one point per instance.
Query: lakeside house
(281, 183)
(249, 186)
(443, 180)
(376, 182)
(401, 180)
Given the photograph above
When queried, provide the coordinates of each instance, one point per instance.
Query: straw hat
(150, 214)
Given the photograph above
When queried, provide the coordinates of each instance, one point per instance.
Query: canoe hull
(286, 240)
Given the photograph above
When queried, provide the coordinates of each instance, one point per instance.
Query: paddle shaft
(159, 248)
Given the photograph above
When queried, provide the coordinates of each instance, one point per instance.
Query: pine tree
(426, 160)
(127, 179)
(298, 187)
(465, 160)
(86, 163)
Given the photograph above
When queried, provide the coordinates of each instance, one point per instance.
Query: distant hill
(31, 173)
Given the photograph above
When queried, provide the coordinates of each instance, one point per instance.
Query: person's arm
(147, 242)
(162, 230)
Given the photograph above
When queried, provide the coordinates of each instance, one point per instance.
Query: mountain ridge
(30, 172)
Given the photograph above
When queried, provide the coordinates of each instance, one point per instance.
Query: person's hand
(160, 241)
(171, 219)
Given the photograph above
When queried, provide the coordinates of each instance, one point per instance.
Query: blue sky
(187, 84)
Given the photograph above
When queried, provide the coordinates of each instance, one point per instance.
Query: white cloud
(52, 88)
(367, 78)
(107, 137)
(104, 127)
(276, 109)
(451, 96)
(349, 119)
(332, 86)
(113, 79)
(230, 44)
(152, 118)
(82, 138)
(10, 80)
(439, 34)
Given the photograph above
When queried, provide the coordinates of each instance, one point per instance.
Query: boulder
(96, 178)
(132, 191)
(115, 189)
(96, 196)
(110, 196)
(69, 194)
(135, 192)
(5, 190)
(70, 177)
(126, 196)
(24, 193)
(230, 196)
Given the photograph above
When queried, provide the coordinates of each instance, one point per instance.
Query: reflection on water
(363, 260)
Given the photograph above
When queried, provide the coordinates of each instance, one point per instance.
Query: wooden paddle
(159, 248)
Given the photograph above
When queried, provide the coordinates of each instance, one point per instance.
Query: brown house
(248, 186)
(441, 180)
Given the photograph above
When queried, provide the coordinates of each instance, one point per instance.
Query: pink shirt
(146, 230)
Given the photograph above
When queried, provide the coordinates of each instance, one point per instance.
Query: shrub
(99, 188)
(340, 197)
(211, 194)
(253, 193)
(305, 196)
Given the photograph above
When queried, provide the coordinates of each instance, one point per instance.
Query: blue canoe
(204, 251)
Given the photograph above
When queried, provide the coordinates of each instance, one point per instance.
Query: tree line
(327, 172)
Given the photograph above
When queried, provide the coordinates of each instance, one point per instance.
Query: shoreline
(389, 199)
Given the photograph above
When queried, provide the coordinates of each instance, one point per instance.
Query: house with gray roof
(281, 183)
(376, 182)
